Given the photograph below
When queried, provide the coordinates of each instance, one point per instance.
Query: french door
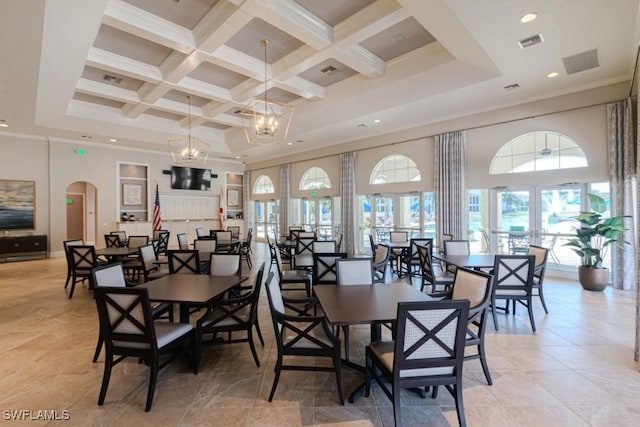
(267, 219)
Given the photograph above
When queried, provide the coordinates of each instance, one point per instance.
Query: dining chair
(204, 247)
(135, 242)
(129, 330)
(246, 250)
(304, 246)
(122, 235)
(183, 243)
(352, 271)
(184, 262)
(231, 315)
(163, 243)
(455, 247)
(67, 254)
(307, 235)
(373, 245)
(113, 275)
(428, 351)
(476, 287)
(324, 246)
(83, 259)
(156, 234)
(410, 263)
(200, 232)
(324, 268)
(430, 275)
(541, 254)
(223, 236)
(301, 335)
(224, 264)
(396, 253)
(235, 231)
(112, 240)
(513, 281)
(380, 263)
(290, 277)
(150, 270)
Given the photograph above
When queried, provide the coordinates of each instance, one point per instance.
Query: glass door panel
(429, 216)
(558, 207)
(409, 213)
(479, 237)
(272, 209)
(384, 210)
(260, 231)
(513, 228)
(324, 220)
(309, 214)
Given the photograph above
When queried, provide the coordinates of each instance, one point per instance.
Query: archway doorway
(81, 208)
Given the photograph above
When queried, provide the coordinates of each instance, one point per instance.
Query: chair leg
(73, 287)
(541, 295)
(106, 376)
(483, 363)
(396, 405)
(337, 364)
(278, 369)
(493, 312)
(66, 283)
(259, 332)
(530, 308)
(253, 347)
(459, 403)
(98, 349)
(153, 378)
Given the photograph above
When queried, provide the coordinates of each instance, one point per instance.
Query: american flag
(157, 221)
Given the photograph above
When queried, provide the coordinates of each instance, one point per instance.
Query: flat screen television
(186, 178)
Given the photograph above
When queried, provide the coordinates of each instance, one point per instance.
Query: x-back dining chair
(129, 330)
(513, 281)
(428, 351)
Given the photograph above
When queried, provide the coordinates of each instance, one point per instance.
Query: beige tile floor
(577, 370)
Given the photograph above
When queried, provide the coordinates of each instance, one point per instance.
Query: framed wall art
(17, 204)
(131, 194)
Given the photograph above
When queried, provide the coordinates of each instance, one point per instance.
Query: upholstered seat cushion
(384, 351)
(166, 332)
(221, 318)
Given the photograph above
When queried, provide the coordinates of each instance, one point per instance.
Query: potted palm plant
(592, 241)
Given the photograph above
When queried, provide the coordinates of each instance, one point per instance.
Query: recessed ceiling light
(4, 124)
(531, 16)
(552, 75)
(376, 121)
(289, 143)
(113, 140)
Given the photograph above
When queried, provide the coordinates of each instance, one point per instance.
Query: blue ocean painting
(17, 203)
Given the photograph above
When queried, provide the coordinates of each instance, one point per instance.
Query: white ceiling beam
(103, 90)
(301, 87)
(177, 66)
(369, 21)
(119, 64)
(360, 59)
(202, 89)
(222, 22)
(141, 23)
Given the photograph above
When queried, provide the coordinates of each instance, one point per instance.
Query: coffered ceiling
(123, 69)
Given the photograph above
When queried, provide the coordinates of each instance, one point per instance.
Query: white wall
(54, 165)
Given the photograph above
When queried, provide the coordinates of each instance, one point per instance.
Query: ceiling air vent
(581, 62)
(512, 87)
(329, 70)
(530, 41)
(112, 79)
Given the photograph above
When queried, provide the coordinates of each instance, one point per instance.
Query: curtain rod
(405, 141)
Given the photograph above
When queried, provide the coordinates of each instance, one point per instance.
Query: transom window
(315, 178)
(395, 168)
(263, 185)
(538, 151)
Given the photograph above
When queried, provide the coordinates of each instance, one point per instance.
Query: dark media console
(19, 248)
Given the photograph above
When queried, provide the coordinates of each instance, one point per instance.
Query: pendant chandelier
(191, 150)
(270, 120)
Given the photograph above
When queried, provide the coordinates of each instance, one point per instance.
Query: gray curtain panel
(452, 210)
(285, 194)
(623, 182)
(247, 212)
(348, 195)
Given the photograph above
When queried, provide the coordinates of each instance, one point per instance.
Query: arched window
(263, 185)
(538, 151)
(395, 168)
(315, 178)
